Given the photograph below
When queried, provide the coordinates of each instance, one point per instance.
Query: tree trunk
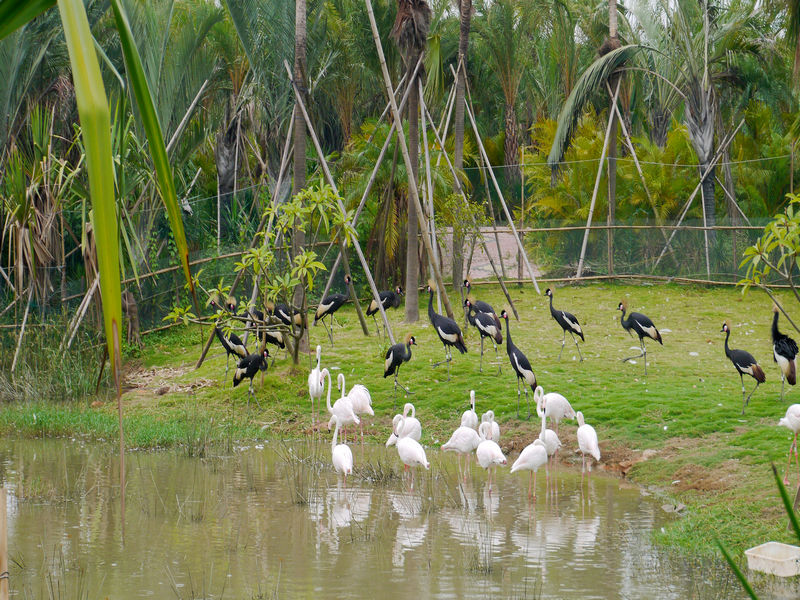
(511, 146)
(412, 256)
(225, 156)
(612, 143)
(465, 8)
(299, 171)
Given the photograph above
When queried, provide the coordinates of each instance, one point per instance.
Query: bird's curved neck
(335, 434)
(544, 424)
(328, 401)
(625, 323)
(407, 354)
(430, 305)
(552, 310)
(775, 332)
(508, 333)
(727, 335)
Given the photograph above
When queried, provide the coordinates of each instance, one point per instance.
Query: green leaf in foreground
(737, 571)
(152, 127)
(16, 13)
(95, 119)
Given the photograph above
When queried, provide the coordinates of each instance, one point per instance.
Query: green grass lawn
(686, 412)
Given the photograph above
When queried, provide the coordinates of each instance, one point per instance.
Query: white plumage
(411, 426)
(792, 422)
(410, 450)
(470, 417)
(488, 453)
(552, 405)
(587, 439)
(316, 384)
(549, 438)
(532, 457)
(341, 456)
(494, 432)
(527, 374)
(463, 441)
(343, 407)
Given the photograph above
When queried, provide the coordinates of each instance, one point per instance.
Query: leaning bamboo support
(332, 182)
(412, 184)
(485, 157)
(596, 185)
(72, 330)
(479, 233)
(429, 190)
(22, 329)
(373, 175)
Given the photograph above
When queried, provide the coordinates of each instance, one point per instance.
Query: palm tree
(504, 34)
(410, 32)
(465, 17)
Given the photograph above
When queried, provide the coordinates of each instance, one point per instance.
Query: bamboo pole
(460, 191)
(412, 184)
(725, 143)
(732, 199)
(333, 185)
(429, 184)
(387, 107)
(371, 181)
(3, 545)
(596, 187)
(82, 308)
(500, 194)
(22, 329)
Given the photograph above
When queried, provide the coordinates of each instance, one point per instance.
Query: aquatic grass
(302, 466)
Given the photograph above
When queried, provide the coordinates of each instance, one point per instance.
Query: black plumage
(744, 362)
(395, 357)
(642, 326)
(389, 299)
(784, 352)
(248, 367)
(448, 331)
(488, 326)
(233, 346)
(568, 322)
(328, 306)
(521, 365)
(479, 305)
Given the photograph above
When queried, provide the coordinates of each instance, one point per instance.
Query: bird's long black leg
(576, 345)
(644, 353)
(497, 359)
(377, 329)
(227, 364)
(741, 378)
(527, 401)
(751, 395)
(637, 355)
(329, 330)
(518, 395)
(783, 382)
(449, 358)
(563, 341)
(480, 369)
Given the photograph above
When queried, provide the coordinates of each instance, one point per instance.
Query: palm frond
(592, 79)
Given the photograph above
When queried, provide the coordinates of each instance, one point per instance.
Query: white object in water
(775, 558)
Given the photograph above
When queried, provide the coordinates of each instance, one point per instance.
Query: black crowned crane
(642, 326)
(328, 306)
(448, 331)
(479, 305)
(389, 299)
(744, 362)
(284, 314)
(521, 366)
(233, 346)
(263, 332)
(395, 357)
(568, 322)
(248, 367)
(488, 326)
(784, 351)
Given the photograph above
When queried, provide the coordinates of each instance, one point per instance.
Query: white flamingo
(470, 417)
(343, 407)
(488, 452)
(463, 442)
(362, 404)
(552, 405)
(341, 456)
(587, 441)
(549, 438)
(532, 457)
(316, 385)
(792, 421)
(410, 451)
(494, 432)
(411, 425)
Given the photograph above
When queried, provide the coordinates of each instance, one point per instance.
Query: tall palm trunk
(511, 145)
(299, 167)
(465, 9)
(612, 142)
(410, 31)
(225, 157)
(700, 121)
(412, 256)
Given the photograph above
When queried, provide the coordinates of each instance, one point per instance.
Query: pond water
(271, 521)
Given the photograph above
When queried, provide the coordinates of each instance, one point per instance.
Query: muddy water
(271, 521)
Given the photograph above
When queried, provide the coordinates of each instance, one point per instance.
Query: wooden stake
(596, 187)
(332, 183)
(372, 177)
(3, 545)
(429, 184)
(500, 195)
(479, 233)
(412, 184)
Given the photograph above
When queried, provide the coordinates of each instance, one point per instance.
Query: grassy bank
(679, 431)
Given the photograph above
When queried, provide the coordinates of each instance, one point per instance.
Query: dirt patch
(162, 380)
(703, 479)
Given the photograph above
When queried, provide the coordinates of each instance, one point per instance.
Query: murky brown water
(229, 527)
